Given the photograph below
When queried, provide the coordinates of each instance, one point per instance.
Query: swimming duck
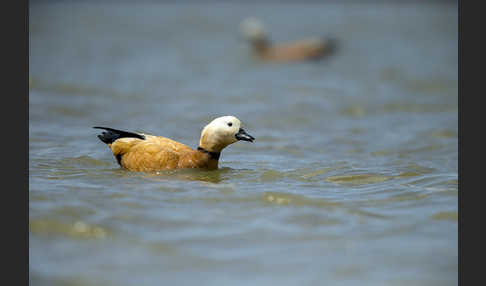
(306, 49)
(147, 153)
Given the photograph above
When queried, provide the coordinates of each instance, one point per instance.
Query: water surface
(352, 179)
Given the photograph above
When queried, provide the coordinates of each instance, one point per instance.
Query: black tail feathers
(332, 45)
(110, 135)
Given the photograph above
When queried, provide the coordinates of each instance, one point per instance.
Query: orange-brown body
(296, 51)
(159, 153)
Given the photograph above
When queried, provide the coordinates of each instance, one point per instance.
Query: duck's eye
(230, 124)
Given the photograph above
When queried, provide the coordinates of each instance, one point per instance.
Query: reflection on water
(212, 176)
(452, 216)
(359, 179)
(356, 158)
(76, 230)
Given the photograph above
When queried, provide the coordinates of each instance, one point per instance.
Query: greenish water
(352, 179)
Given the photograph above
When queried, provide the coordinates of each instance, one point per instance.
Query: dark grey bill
(242, 135)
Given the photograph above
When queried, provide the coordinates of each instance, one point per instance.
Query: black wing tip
(114, 134)
(106, 128)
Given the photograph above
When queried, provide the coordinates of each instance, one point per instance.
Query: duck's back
(298, 50)
(151, 154)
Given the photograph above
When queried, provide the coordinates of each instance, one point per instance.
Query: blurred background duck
(265, 50)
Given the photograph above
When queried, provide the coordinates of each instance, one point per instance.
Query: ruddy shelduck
(264, 50)
(147, 153)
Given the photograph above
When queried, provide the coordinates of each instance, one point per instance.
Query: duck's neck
(212, 155)
(261, 46)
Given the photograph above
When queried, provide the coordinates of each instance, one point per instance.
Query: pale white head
(252, 29)
(222, 132)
